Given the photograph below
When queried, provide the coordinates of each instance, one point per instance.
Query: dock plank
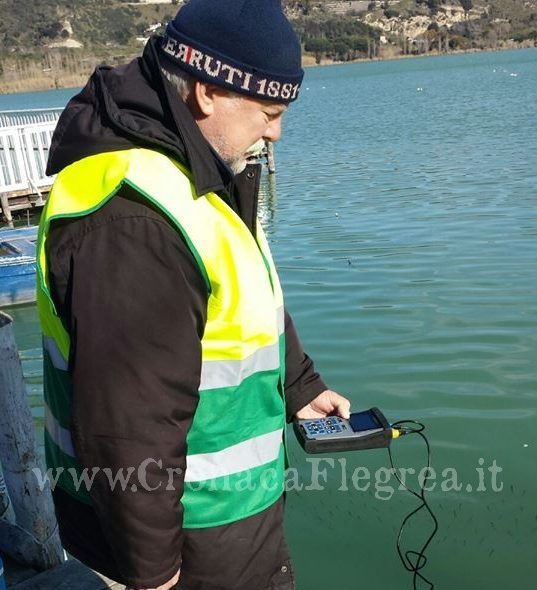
(21, 200)
(69, 575)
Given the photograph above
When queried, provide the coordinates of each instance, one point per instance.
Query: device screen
(364, 421)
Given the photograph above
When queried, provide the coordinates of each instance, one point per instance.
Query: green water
(404, 224)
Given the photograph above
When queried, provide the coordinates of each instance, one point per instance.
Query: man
(167, 352)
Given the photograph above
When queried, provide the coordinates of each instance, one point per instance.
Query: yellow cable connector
(395, 433)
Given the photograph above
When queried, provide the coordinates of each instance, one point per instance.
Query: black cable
(414, 561)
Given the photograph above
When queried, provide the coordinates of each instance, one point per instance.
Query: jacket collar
(209, 172)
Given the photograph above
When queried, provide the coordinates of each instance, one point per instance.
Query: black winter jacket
(129, 294)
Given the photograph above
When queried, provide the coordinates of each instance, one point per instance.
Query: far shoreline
(45, 83)
(417, 56)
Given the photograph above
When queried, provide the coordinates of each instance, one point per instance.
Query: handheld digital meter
(363, 430)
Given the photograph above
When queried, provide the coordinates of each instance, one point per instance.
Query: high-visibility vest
(235, 460)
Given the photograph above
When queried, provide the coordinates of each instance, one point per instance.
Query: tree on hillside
(318, 46)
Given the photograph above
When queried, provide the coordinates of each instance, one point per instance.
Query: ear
(204, 97)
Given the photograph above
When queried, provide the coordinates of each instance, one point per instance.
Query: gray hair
(181, 81)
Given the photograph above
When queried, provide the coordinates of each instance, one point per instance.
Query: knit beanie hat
(247, 46)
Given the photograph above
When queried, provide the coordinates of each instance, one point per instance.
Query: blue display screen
(364, 421)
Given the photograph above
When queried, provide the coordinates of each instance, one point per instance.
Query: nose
(274, 129)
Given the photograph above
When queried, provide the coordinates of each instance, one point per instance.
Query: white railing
(24, 152)
(28, 116)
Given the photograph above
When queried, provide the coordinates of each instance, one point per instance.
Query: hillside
(91, 24)
(64, 39)
(335, 29)
(100, 24)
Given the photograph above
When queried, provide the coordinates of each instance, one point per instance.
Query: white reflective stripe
(61, 436)
(49, 344)
(281, 320)
(249, 454)
(231, 373)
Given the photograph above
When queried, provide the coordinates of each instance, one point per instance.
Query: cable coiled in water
(415, 561)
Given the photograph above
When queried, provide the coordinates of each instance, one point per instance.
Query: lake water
(404, 223)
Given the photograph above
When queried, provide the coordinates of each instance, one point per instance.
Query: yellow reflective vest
(235, 459)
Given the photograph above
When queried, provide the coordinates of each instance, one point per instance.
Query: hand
(326, 403)
(166, 586)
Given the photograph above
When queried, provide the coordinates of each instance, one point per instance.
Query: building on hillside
(152, 28)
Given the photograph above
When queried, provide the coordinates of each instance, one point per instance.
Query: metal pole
(34, 539)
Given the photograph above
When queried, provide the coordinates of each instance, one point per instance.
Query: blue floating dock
(17, 265)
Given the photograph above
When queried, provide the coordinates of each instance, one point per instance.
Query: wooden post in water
(6, 209)
(270, 157)
(33, 539)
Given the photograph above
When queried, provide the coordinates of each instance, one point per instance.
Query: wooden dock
(25, 138)
(22, 200)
